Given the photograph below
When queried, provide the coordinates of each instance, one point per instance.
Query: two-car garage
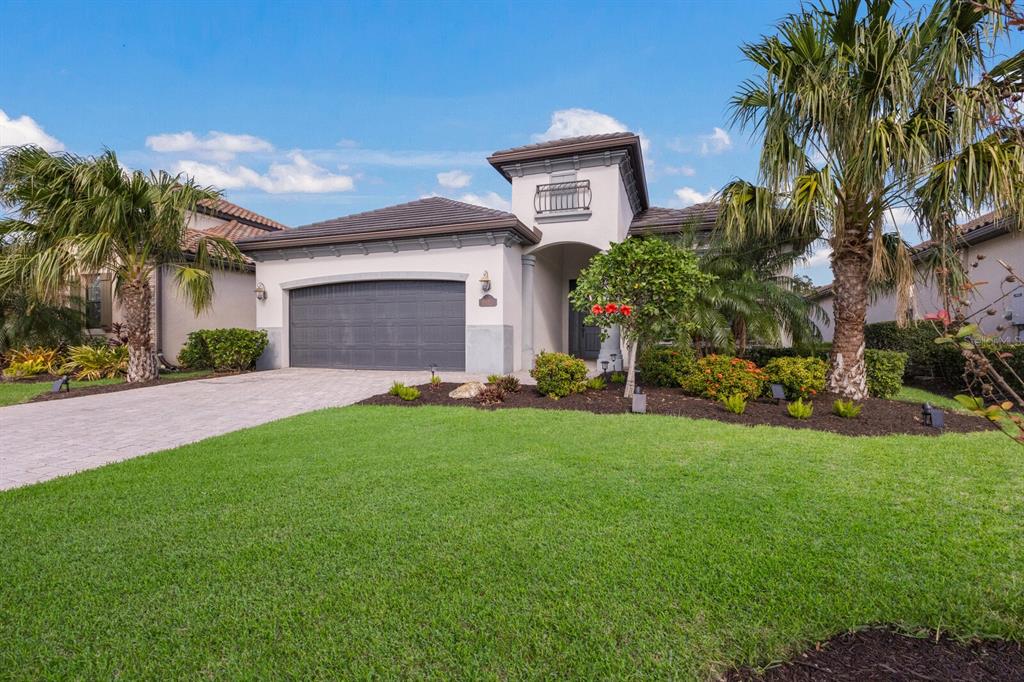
(379, 324)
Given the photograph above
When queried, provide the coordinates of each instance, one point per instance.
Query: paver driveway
(39, 441)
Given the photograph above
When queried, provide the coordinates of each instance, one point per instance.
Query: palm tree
(858, 108)
(754, 296)
(82, 215)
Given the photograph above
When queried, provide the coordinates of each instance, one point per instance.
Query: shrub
(885, 372)
(735, 403)
(847, 409)
(762, 355)
(617, 377)
(25, 362)
(232, 349)
(21, 369)
(917, 340)
(558, 374)
(88, 363)
(400, 390)
(435, 381)
(596, 384)
(798, 409)
(721, 375)
(492, 394)
(507, 382)
(801, 377)
(663, 365)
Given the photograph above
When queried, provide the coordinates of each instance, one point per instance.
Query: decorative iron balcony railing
(561, 197)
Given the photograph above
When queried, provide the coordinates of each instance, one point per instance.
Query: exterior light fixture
(485, 282)
(433, 370)
(639, 401)
(604, 367)
(261, 292)
(613, 356)
(932, 417)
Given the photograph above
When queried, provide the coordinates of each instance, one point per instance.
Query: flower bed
(878, 417)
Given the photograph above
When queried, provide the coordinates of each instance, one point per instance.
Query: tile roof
(657, 220)
(429, 216)
(191, 238)
(222, 208)
(558, 145)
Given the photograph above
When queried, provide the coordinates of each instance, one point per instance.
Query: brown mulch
(880, 654)
(113, 388)
(878, 417)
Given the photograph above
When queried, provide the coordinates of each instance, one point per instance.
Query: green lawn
(457, 543)
(909, 394)
(12, 393)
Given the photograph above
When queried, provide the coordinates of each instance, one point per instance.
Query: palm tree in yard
(865, 112)
(75, 216)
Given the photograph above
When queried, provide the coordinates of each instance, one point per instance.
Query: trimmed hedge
(800, 377)
(885, 372)
(232, 349)
(559, 374)
(664, 365)
(717, 376)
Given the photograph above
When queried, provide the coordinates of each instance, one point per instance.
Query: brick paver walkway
(39, 441)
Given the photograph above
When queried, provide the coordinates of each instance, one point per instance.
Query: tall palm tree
(83, 215)
(858, 106)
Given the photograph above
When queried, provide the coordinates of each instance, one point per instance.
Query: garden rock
(467, 390)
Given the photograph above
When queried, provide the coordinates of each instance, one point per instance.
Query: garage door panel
(388, 324)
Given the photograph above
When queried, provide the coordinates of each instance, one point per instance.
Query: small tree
(646, 286)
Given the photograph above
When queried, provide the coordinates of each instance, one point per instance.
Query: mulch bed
(111, 388)
(880, 654)
(878, 417)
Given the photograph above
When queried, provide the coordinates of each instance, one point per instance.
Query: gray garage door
(388, 324)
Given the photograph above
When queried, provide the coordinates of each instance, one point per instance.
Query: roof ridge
(434, 199)
(560, 141)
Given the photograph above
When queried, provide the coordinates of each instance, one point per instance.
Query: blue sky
(306, 111)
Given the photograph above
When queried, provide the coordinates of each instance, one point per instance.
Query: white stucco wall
(234, 305)
(501, 263)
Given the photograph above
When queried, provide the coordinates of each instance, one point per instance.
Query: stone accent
(466, 391)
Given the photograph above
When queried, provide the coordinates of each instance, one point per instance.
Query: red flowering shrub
(611, 308)
(626, 310)
(597, 309)
(715, 376)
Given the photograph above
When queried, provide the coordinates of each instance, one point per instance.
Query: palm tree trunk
(739, 333)
(137, 297)
(851, 264)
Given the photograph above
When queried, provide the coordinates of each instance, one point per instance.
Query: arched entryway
(549, 322)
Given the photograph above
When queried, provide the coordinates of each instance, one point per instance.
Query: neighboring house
(173, 317)
(992, 238)
(457, 286)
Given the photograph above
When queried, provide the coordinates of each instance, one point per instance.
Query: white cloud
(216, 145)
(487, 200)
(821, 255)
(688, 171)
(688, 196)
(715, 143)
(299, 175)
(454, 179)
(24, 130)
(576, 122)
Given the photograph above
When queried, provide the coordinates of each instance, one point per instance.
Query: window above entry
(564, 198)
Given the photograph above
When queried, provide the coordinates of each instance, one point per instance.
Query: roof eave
(533, 236)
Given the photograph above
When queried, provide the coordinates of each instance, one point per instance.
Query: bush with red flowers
(715, 376)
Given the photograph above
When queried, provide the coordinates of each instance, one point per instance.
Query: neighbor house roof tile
(225, 209)
(658, 220)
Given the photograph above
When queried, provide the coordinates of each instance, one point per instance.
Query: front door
(584, 340)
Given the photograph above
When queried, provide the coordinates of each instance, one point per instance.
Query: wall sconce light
(261, 292)
(485, 282)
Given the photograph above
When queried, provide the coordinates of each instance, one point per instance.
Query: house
(437, 282)
(980, 245)
(173, 317)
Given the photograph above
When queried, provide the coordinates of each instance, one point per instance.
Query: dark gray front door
(584, 340)
(386, 324)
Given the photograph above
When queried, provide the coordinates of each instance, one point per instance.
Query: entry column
(529, 263)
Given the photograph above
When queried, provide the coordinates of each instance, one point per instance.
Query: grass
(12, 393)
(910, 394)
(457, 543)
